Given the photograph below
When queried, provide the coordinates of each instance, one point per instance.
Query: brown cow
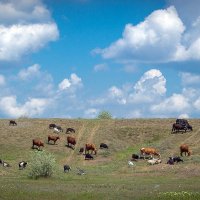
(184, 149)
(71, 141)
(53, 138)
(91, 147)
(149, 151)
(38, 143)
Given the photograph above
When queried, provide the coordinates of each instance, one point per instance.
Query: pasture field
(107, 176)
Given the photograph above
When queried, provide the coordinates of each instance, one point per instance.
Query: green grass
(107, 176)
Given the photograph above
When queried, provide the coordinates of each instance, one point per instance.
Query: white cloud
(175, 104)
(91, 113)
(189, 78)
(2, 80)
(183, 116)
(161, 37)
(22, 11)
(32, 107)
(101, 67)
(30, 72)
(197, 104)
(73, 83)
(18, 40)
(156, 38)
(117, 94)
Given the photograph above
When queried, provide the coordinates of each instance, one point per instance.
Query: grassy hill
(107, 176)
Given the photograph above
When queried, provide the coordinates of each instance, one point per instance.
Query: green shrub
(42, 164)
(104, 115)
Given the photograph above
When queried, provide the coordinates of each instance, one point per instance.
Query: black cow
(59, 128)
(12, 122)
(22, 164)
(5, 164)
(88, 157)
(177, 159)
(170, 161)
(70, 130)
(52, 126)
(66, 168)
(103, 146)
(135, 157)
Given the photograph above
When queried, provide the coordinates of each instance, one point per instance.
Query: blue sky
(75, 58)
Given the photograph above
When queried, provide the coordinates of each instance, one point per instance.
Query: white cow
(154, 161)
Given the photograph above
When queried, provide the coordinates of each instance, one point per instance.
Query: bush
(42, 164)
(104, 115)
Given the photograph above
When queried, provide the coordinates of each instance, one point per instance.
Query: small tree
(42, 164)
(104, 115)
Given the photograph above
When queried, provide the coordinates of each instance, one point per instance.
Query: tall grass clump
(104, 115)
(42, 164)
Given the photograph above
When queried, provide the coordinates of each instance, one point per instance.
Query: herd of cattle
(90, 149)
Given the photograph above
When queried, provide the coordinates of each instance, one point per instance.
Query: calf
(53, 138)
(88, 157)
(70, 130)
(66, 168)
(5, 164)
(22, 164)
(103, 146)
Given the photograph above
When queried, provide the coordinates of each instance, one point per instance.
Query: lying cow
(52, 126)
(103, 146)
(135, 157)
(22, 164)
(5, 164)
(154, 161)
(66, 168)
(173, 160)
(88, 157)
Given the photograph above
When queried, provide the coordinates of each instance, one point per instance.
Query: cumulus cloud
(18, 40)
(175, 104)
(161, 37)
(72, 83)
(27, 27)
(32, 107)
(117, 94)
(2, 80)
(30, 72)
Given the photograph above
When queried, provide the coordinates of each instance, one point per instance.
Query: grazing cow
(22, 164)
(149, 151)
(89, 157)
(184, 149)
(52, 126)
(71, 141)
(81, 150)
(91, 147)
(70, 130)
(66, 168)
(154, 161)
(178, 127)
(53, 138)
(12, 122)
(103, 146)
(38, 143)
